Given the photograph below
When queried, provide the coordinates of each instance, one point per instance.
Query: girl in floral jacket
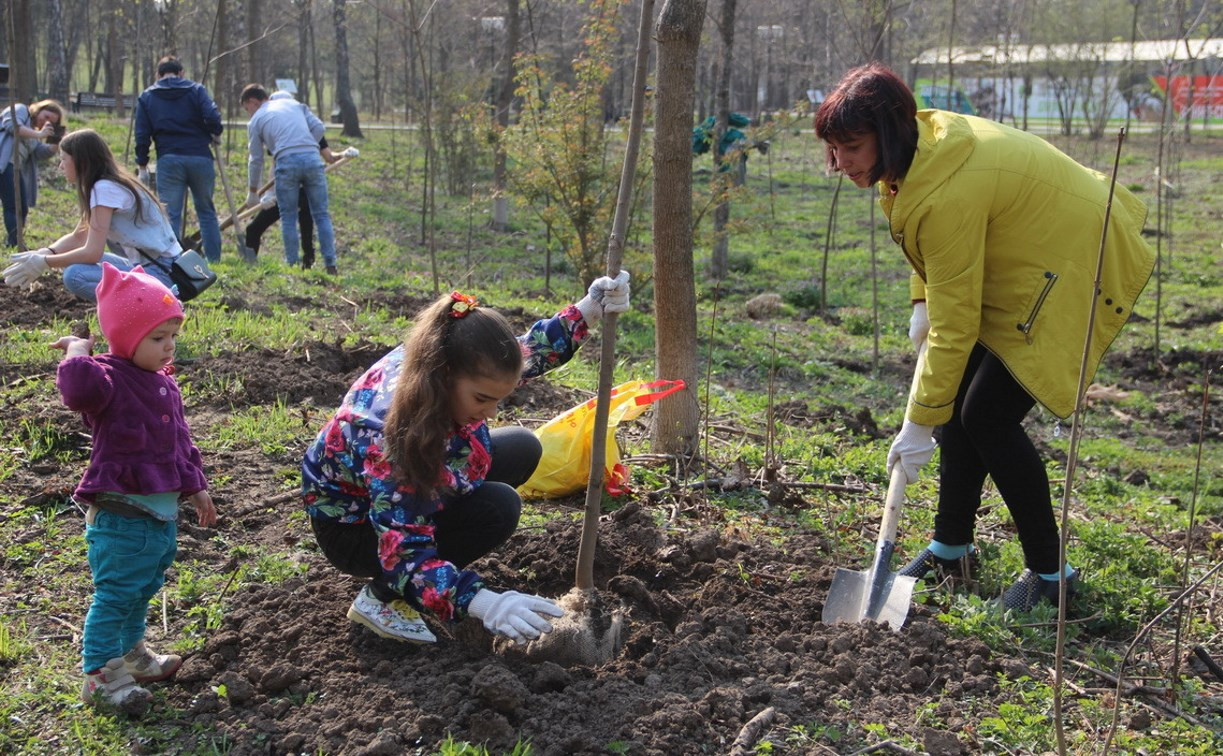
(407, 485)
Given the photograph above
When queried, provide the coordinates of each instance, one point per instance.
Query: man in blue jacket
(182, 120)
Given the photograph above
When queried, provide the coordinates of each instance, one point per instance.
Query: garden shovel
(878, 593)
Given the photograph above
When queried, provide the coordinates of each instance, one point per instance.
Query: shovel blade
(850, 600)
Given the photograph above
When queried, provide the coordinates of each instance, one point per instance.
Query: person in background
(1003, 232)
(27, 135)
(132, 488)
(115, 207)
(180, 118)
(269, 211)
(291, 133)
(406, 485)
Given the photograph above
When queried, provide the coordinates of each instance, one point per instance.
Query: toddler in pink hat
(130, 305)
(142, 464)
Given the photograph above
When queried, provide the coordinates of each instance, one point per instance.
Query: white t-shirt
(150, 232)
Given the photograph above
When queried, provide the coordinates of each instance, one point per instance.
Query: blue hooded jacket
(179, 116)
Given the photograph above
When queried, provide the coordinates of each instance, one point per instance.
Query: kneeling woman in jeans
(115, 207)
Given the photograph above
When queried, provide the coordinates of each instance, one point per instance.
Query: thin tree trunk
(254, 50)
(114, 57)
(343, 89)
(720, 260)
(676, 421)
(505, 98)
(303, 48)
(57, 55)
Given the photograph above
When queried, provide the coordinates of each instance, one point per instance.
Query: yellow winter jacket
(1003, 233)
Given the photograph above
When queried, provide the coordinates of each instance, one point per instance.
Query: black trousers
(264, 219)
(985, 436)
(468, 528)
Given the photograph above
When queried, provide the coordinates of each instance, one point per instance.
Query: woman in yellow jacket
(1003, 232)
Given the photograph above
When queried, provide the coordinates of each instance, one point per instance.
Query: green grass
(1121, 531)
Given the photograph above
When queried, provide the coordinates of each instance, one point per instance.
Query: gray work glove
(605, 295)
(25, 267)
(517, 616)
(142, 173)
(919, 325)
(912, 449)
(350, 152)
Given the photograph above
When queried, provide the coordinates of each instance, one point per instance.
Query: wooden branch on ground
(745, 743)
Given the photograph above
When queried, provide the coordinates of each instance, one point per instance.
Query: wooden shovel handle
(891, 506)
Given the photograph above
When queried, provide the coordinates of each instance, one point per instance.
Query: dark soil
(720, 627)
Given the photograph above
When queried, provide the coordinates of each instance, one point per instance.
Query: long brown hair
(94, 161)
(440, 349)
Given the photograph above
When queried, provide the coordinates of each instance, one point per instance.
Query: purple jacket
(141, 442)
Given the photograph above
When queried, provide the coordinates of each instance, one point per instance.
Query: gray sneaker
(112, 684)
(1030, 589)
(395, 620)
(145, 666)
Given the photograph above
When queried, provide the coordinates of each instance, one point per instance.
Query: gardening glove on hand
(267, 201)
(252, 198)
(919, 325)
(605, 295)
(142, 173)
(913, 448)
(514, 615)
(25, 267)
(351, 152)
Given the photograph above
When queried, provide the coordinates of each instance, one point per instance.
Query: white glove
(252, 198)
(913, 448)
(351, 152)
(605, 295)
(142, 173)
(268, 200)
(919, 325)
(514, 615)
(25, 267)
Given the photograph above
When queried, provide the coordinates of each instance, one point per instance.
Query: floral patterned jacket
(347, 478)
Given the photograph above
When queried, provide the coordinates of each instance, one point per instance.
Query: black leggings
(468, 528)
(985, 436)
(264, 219)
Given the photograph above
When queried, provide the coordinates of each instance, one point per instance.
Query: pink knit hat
(130, 305)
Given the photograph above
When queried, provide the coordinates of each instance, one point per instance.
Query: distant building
(1011, 81)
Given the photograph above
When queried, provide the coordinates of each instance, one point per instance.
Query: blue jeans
(8, 198)
(294, 172)
(82, 279)
(175, 175)
(129, 557)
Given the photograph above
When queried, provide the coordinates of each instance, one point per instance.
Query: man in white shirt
(291, 133)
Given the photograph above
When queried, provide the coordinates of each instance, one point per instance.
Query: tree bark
(303, 47)
(719, 263)
(254, 51)
(23, 76)
(114, 57)
(57, 55)
(343, 89)
(505, 97)
(677, 420)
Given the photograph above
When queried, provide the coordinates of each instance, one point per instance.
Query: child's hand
(74, 346)
(204, 509)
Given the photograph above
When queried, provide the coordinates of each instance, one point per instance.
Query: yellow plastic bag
(565, 465)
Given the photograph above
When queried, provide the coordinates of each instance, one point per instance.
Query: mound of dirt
(716, 630)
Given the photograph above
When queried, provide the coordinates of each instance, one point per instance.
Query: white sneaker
(396, 620)
(113, 684)
(145, 666)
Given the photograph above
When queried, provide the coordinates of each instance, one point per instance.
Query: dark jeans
(985, 436)
(468, 528)
(9, 199)
(264, 219)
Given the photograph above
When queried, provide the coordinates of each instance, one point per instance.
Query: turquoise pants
(129, 557)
